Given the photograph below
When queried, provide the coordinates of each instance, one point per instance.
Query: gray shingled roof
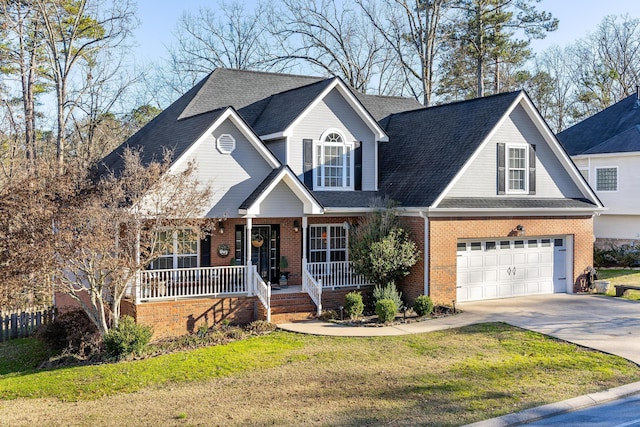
(284, 107)
(165, 131)
(347, 199)
(240, 89)
(591, 133)
(431, 145)
(513, 203)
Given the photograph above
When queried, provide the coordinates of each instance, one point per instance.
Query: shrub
(386, 310)
(127, 339)
(388, 291)
(71, 332)
(353, 304)
(423, 305)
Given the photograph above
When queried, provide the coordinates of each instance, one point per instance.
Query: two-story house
(606, 149)
(494, 203)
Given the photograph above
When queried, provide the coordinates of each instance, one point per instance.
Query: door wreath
(257, 240)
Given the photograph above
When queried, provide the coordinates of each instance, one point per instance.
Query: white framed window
(333, 162)
(328, 243)
(226, 143)
(607, 179)
(517, 168)
(178, 249)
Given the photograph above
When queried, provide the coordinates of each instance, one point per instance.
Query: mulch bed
(409, 317)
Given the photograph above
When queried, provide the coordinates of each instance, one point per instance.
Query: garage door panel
(510, 268)
(519, 258)
(490, 276)
(476, 261)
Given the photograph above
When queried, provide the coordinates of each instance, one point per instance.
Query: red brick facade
(444, 233)
(174, 318)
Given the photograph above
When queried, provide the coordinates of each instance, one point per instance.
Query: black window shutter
(532, 169)
(357, 168)
(307, 154)
(205, 252)
(501, 168)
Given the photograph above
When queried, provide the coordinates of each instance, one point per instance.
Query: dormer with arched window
(333, 162)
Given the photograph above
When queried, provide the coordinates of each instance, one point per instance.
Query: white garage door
(510, 267)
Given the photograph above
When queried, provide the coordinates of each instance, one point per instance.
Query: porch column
(304, 242)
(247, 259)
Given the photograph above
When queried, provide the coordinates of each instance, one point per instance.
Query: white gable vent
(226, 143)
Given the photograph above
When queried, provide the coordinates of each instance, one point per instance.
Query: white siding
(334, 112)
(279, 149)
(281, 202)
(480, 178)
(233, 177)
(625, 201)
(617, 226)
(621, 220)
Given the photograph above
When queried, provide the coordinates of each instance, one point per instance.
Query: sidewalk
(317, 327)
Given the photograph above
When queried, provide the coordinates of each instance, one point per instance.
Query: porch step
(290, 307)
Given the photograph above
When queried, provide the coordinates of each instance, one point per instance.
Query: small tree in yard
(93, 234)
(106, 232)
(380, 249)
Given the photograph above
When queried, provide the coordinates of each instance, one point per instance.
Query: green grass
(446, 378)
(621, 276)
(21, 355)
(91, 382)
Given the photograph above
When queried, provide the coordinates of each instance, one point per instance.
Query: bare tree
(606, 64)
(98, 118)
(229, 36)
(333, 39)
(106, 232)
(74, 31)
(413, 30)
(558, 103)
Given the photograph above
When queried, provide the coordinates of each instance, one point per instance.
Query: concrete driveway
(611, 325)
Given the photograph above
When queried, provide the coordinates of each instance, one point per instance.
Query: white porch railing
(313, 287)
(338, 274)
(191, 282)
(263, 292)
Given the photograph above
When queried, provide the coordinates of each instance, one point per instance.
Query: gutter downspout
(426, 257)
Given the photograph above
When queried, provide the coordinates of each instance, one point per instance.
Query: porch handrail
(191, 282)
(336, 274)
(263, 292)
(312, 287)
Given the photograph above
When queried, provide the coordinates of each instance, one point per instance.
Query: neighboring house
(494, 203)
(606, 149)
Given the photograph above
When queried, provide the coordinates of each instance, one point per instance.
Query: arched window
(333, 162)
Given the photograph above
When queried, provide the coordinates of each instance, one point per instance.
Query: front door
(265, 250)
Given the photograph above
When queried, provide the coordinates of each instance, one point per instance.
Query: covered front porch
(242, 281)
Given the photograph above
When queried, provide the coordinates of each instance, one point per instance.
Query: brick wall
(334, 299)
(175, 318)
(412, 286)
(444, 233)
(290, 243)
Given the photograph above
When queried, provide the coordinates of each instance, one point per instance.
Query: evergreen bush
(127, 339)
(386, 310)
(354, 305)
(423, 305)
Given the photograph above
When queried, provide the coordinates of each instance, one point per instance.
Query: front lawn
(621, 276)
(444, 378)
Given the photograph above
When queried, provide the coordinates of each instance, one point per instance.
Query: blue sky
(577, 18)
